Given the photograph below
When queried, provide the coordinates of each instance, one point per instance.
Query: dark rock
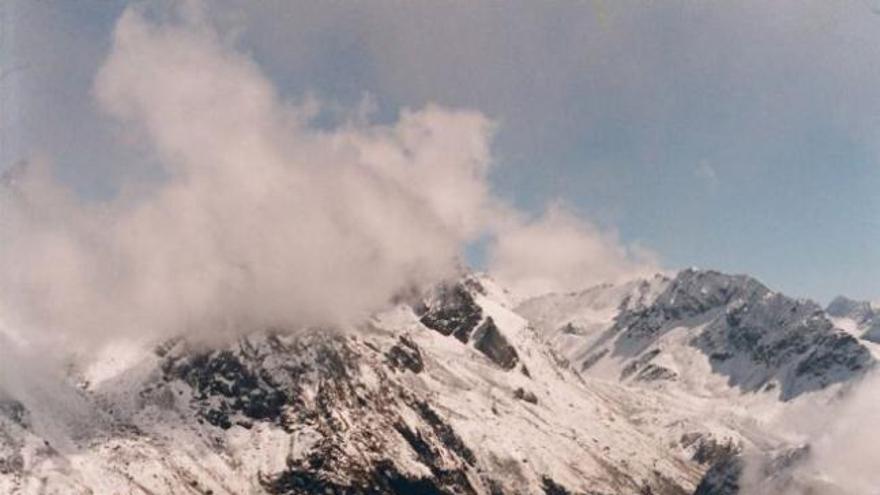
(451, 311)
(443, 431)
(12, 464)
(569, 329)
(426, 454)
(525, 395)
(707, 450)
(722, 478)
(592, 359)
(15, 411)
(652, 373)
(489, 340)
(405, 354)
(223, 374)
(551, 487)
(637, 364)
(384, 479)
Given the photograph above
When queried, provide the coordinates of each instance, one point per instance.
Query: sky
(739, 136)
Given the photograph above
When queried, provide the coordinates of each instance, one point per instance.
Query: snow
(848, 325)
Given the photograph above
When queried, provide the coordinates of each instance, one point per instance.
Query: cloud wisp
(839, 448)
(561, 252)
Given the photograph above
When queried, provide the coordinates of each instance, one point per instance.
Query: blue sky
(737, 136)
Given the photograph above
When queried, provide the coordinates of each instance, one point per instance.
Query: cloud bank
(842, 447)
(263, 221)
(846, 450)
(262, 218)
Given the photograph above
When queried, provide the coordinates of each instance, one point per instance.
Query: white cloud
(843, 446)
(263, 221)
(846, 449)
(561, 252)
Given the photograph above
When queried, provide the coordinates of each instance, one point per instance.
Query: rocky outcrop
(451, 310)
(405, 354)
(722, 478)
(489, 340)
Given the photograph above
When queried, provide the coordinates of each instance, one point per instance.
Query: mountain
(648, 387)
(759, 340)
(860, 318)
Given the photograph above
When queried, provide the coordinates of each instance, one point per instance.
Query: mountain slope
(393, 407)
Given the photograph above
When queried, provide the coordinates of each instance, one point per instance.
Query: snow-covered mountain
(861, 318)
(669, 329)
(651, 387)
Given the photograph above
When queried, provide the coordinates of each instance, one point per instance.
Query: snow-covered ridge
(758, 339)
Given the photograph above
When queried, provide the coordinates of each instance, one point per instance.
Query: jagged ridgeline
(648, 387)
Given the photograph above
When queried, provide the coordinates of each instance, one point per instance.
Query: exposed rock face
(638, 364)
(492, 343)
(709, 450)
(384, 479)
(653, 373)
(722, 478)
(522, 394)
(14, 410)
(407, 355)
(451, 310)
(229, 385)
(11, 460)
(552, 488)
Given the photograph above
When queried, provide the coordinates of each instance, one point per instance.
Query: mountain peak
(844, 307)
